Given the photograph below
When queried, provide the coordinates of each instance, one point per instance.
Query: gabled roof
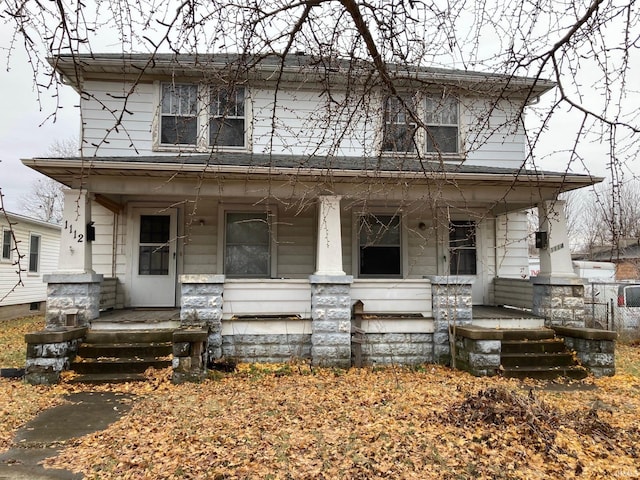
(293, 67)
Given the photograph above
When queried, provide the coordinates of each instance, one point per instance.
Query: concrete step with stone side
(118, 350)
(551, 345)
(121, 355)
(528, 334)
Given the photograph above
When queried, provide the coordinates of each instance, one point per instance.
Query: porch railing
(265, 297)
(513, 292)
(402, 296)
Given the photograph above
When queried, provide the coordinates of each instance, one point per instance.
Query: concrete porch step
(129, 336)
(119, 350)
(545, 359)
(118, 365)
(549, 345)
(546, 373)
(99, 378)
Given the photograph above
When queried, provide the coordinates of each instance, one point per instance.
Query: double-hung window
(379, 245)
(462, 248)
(34, 253)
(399, 126)
(198, 116)
(226, 117)
(6, 244)
(441, 120)
(247, 245)
(179, 114)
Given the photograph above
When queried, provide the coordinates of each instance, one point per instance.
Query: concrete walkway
(45, 435)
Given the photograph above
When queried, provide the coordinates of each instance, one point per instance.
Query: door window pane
(153, 253)
(247, 245)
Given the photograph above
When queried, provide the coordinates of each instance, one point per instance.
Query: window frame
(465, 248)
(217, 90)
(421, 135)
(428, 124)
(6, 234)
(222, 239)
(37, 254)
(401, 245)
(178, 114)
(203, 117)
(389, 124)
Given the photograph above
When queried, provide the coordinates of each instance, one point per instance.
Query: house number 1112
(69, 228)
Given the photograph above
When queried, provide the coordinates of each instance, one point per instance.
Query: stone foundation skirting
(266, 348)
(73, 300)
(397, 348)
(478, 351)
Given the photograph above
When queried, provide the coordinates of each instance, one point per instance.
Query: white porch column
(555, 259)
(73, 291)
(75, 250)
(329, 250)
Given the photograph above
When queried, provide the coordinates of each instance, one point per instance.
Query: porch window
(179, 120)
(226, 121)
(247, 245)
(155, 231)
(399, 127)
(6, 244)
(34, 253)
(379, 246)
(441, 118)
(462, 248)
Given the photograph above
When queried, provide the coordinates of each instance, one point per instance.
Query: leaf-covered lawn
(13, 350)
(293, 422)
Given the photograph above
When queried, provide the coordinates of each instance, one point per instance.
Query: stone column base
(331, 320)
(73, 299)
(560, 300)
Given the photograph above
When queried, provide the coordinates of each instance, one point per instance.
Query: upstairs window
(179, 122)
(34, 253)
(226, 120)
(6, 244)
(399, 127)
(379, 246)
(441, 119)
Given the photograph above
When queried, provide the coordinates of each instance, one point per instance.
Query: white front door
(464, 259)
(153, 266)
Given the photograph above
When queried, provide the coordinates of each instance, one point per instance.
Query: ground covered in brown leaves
(293, 422)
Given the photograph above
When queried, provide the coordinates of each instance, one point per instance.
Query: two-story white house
(263, 197)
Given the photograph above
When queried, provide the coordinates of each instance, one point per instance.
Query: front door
(153, 282)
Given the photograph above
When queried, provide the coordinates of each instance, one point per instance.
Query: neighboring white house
(36, 244)
(268, 177)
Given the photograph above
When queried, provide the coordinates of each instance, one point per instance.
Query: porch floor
(130, 318)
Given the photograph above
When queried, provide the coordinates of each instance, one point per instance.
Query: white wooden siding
(201, 239)
(512, 255)
(34, 289)
(305, 123)
(266, 297)
(296, 243)
(421, 245)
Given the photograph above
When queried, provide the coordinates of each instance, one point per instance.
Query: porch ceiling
(311, 176)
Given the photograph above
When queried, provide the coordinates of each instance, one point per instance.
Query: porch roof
(66, 170)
